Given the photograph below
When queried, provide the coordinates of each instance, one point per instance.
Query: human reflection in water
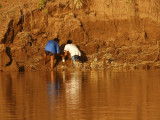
(53, 87)
(73, 89)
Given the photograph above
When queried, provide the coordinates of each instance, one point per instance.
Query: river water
(80, 95)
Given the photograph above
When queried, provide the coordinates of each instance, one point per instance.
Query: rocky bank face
(110, 34)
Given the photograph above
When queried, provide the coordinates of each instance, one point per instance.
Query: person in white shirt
(73, 50)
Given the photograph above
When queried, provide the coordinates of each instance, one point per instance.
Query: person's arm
(58, 49)
(65, 54)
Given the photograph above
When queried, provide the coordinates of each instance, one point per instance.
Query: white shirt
(72, 49)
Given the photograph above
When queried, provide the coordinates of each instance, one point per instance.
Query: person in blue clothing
(51, 49)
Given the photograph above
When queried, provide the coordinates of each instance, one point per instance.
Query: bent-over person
(51, 49)
(73, 50)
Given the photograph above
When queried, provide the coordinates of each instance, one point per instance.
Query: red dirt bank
(111, 35)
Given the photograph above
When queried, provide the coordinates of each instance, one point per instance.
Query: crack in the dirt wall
(84, 29)
(5, 39)
(13, 29)
(8, 51)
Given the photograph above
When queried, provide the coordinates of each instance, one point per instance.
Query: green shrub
(46, 11)
(41, 4)
(129, 1)
(0, 5)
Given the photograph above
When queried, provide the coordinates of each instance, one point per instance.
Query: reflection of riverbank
(22, 95)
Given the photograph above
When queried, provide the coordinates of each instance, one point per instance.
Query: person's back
(72, 49)
(51, 49)
(52, 46)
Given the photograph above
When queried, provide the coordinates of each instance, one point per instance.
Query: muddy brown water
(80, 95)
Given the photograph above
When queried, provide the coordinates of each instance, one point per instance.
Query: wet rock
(145, 65)
(87, 66)
(97, 65)
(22, 40)
(79, 65)
(157, 65)
(126, 66)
